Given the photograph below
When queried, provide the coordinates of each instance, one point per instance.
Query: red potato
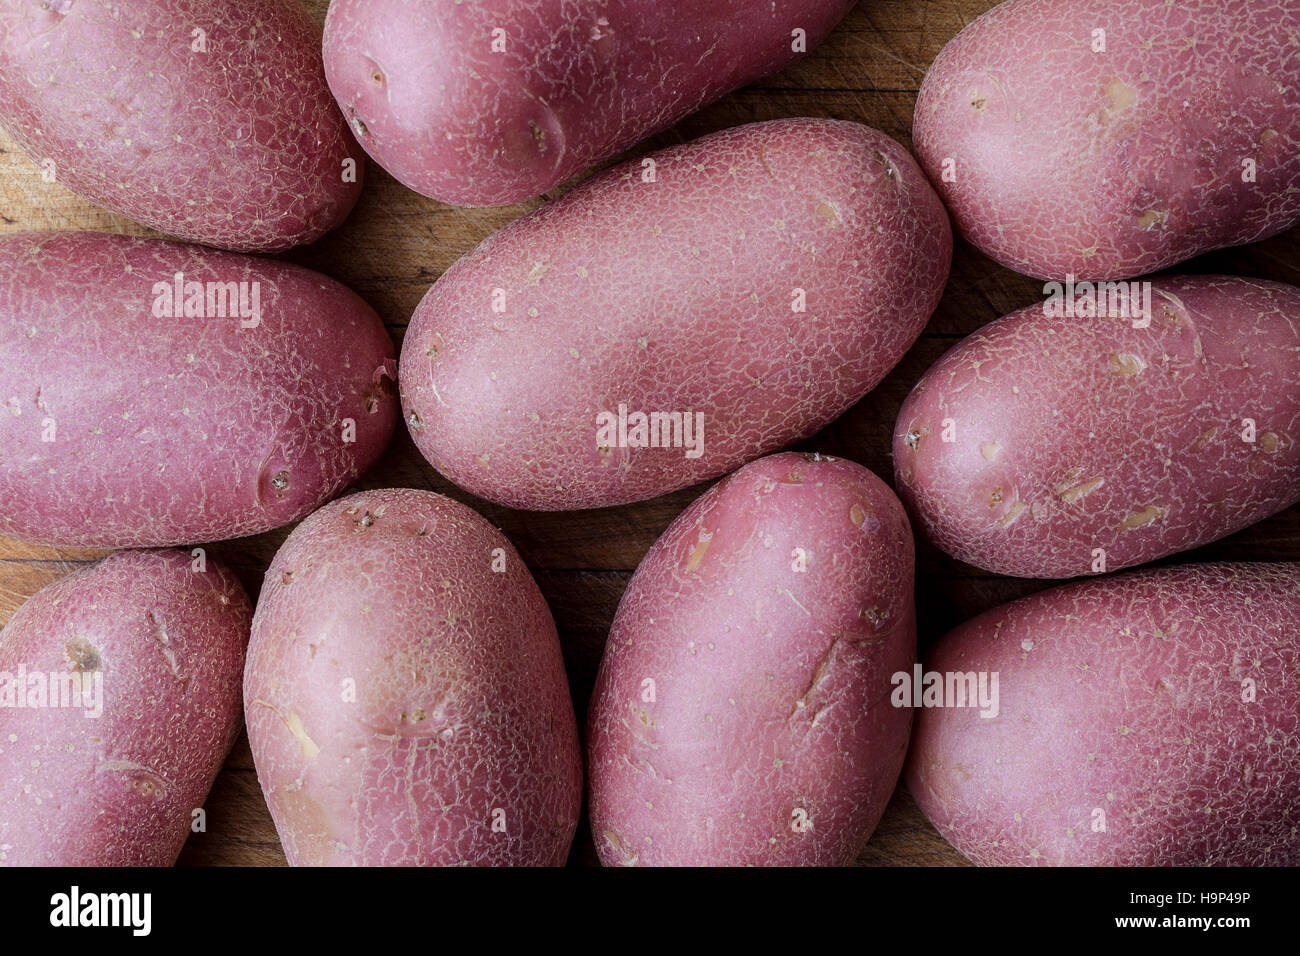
(764, 282)
(143, 655)
(1058, 158)
(495, 101)
(405, 694)
(206, 119)
(742, 715)
(123, 427)
(1084, 444)
(1147, 719)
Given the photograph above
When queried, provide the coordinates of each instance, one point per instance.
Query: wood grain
(397, 243)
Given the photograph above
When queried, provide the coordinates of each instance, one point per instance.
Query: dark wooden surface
(397, 243)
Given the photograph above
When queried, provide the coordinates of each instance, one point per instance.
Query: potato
(119, 699)
(741, 714)
(766, 279)
(124, 427)
(492, 102)
(1147, 719)
(405, 694)
(1111, 138)
(210, 121)
(1051, 447)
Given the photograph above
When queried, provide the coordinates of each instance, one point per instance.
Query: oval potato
(1112, 138)
(496, 101)
(209, 121)
(765, 280)
(1082, 444)
(119, 699)
(741, 714)
(1146, 719)
(126, 428)
(405, 694)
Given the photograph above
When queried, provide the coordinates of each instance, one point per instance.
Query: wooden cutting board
(397, 243)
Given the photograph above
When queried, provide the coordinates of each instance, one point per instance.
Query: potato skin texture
(460, 707)
(577, 83)
(120, 789)
(676, 296)
(1080, 433)
(771, 686)
(240, 147)
(181, 430)
(1116, 164)
(1124, 693)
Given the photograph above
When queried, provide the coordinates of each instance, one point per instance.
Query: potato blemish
(148, 782)
(627, 856)
(1073, 493)
(1151, 218)
(294, 724)
(1125, 364)
(1140, 519)
(989, 450)
(1121, 96)
(696, 556)
(883, 160)
(1012, 514)
(358, 124)
(873, 616)
(83, 655)
(161, 636)
(825, 210)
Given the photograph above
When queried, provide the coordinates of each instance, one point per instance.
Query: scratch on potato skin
(1132, 700)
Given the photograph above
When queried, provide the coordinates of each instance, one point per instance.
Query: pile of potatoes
(400, 674)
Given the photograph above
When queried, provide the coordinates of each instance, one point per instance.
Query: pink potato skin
(1073, 434)
(1126, 694)
(176, 430)
(120, 789)
(459, 707)
(240, 147)
(676, 296)
(771, 687)
(1116, 164)
(579, 81)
